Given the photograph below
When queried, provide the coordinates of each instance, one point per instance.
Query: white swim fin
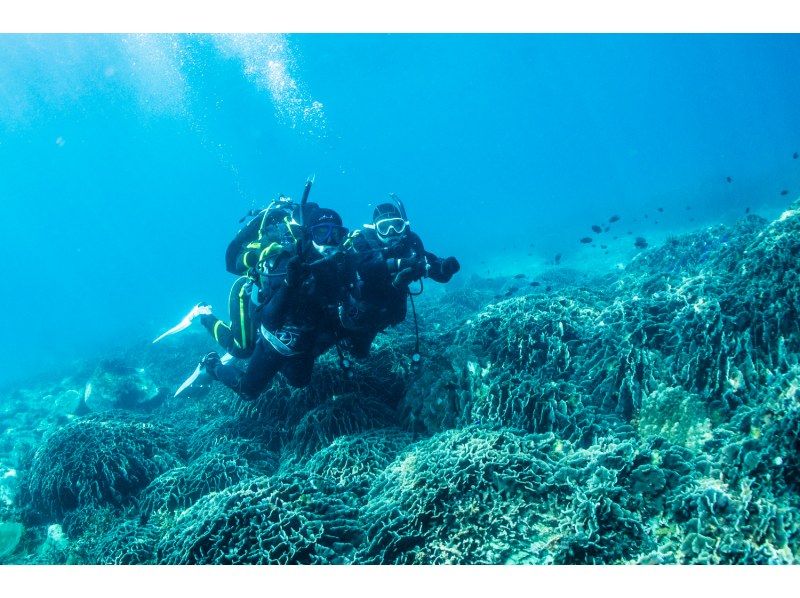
(198, 310)
(200, 379)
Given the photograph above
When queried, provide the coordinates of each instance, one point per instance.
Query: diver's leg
(236, 338)
(219, 330)
(359, 343)
(239, 308)
(262, 367)
(298, 369)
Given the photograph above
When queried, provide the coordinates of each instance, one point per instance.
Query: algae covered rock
(117, 385)
(10, 534)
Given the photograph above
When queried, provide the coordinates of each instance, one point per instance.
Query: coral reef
(464, 496)
(353, 462)
(647, 415)
(293, 518)
(226, 465)
(96, 461)
(300, 421)
(129, 543)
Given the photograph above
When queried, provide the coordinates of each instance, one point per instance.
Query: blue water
(127, 161)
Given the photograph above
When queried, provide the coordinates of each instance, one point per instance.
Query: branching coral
(226, 465)
(464, 496)
(293, 518)
(354, 461)
(97, 460)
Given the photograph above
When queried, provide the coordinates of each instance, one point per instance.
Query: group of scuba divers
(307, 284)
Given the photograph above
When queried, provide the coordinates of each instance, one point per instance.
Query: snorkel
(302, 215)
(400, 205)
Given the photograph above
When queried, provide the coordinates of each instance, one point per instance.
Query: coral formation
(292, 518)
(96, 461)
(354, 461)
(649, 415)
(129, 543)
(226, 465)
(464, 496)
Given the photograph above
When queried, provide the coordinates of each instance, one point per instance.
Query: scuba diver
(252, 254)
(390, 256)
(301, 293)
(270, 234)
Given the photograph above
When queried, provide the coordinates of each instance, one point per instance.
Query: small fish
(606, 229)
(498, 296)
(688, 207)
(616, 237)
(729, 179)
(660, 209)
(785, 192)
(614, 218)
(535, 283)
(597, 229)
(747, 210)
(586, 240)
(630, 232)
(604, 247)
(640, 243)
(795, 156)
(511, 291)
(548, 288)
(557, 259)
(518, 276)
(646, 216)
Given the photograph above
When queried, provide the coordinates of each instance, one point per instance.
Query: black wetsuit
(379, 303)
(296, 324)
(268, 237)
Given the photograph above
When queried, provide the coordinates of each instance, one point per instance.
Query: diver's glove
(450, 266)
(404, 278)
(210, 363)
(296, 271)
(418, 266)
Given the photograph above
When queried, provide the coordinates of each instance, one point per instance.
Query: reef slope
(646, 416)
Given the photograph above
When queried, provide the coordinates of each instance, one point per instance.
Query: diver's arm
(436, 268)
(285, 280)
(240, 256)
(372, 263)
(441, 270)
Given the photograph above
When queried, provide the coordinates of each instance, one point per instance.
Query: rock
(10, 534)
